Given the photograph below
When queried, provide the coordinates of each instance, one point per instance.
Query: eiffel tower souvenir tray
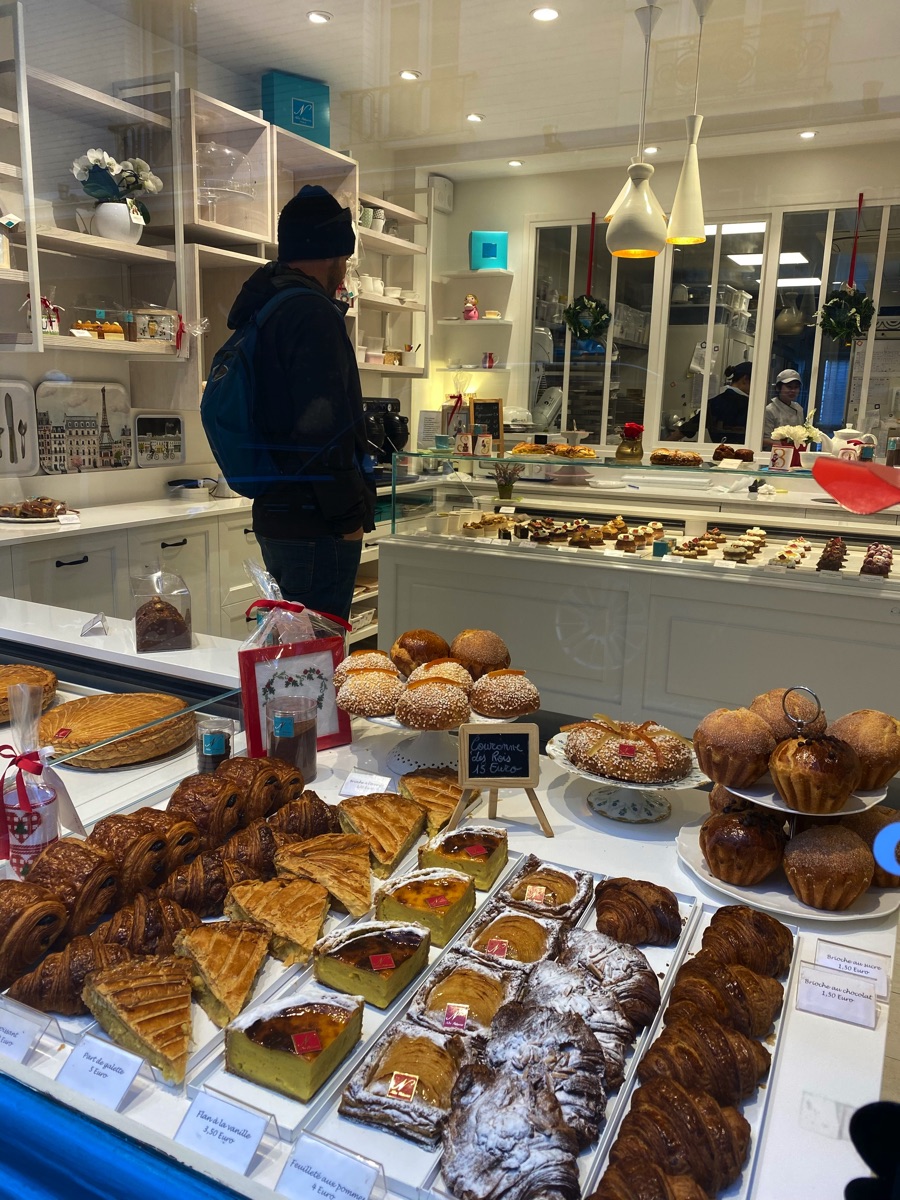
(83, 427)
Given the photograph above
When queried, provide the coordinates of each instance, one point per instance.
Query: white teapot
(841, 443)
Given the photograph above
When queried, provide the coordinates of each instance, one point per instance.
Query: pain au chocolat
(293, 1045)
(83, 876)
(389, 822)
(438, 898)
(463, 994)
(376, 959)
(478, 850)
(213, 802)
(89, 720)
(258, 782)
(225, 958)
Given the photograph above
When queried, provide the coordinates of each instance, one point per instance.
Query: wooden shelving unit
(386, 243)
(69, 99)
(389, 304)
(406, 216)
(69, 241)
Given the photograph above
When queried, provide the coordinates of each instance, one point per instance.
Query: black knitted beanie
(314, 225)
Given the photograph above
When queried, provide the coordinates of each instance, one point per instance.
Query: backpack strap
(262, 315)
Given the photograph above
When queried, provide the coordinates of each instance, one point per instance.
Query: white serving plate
(556, 749)
(29, 520)
(473, 719)
(774, 895)
(764, 794)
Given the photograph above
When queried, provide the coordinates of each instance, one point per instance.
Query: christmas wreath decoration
(587, 317)
(847, 314)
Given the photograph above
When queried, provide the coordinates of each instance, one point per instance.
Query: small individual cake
(444, 668)
(815, 774)
(360, 660)
(647, 753)
(505, 693)
(828, 867)
(415, 647)
(464, 993)
(638, 536)
(770, 706)
(372, 692)
(432, 704)
(477, 850)
(436, 897)
(626, 542)
(294, 1045)
(759, 534)
(516, 937)
(868, 825)
(875, 736)
(735, 552)
(375, 959)
(480, 651)
(656, 528)
(548, 891)
(733, 746)
(742, 848)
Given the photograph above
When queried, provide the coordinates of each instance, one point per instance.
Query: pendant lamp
(686, 223)
(637, 228)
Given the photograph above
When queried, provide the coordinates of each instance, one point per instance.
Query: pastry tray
(753, 1108)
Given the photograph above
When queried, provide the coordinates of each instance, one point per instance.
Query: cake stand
(619, 800)
(764, 794)
(435, 748)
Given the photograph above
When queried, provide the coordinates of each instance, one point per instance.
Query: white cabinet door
(6, 576)
(189, 549)
(88, 574)
(236, 592)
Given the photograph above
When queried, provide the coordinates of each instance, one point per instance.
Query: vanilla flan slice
(477, 850)
(375, 960)
(225, 958)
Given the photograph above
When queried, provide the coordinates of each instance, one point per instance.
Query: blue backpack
(228, 409)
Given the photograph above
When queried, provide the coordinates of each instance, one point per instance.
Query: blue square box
(298, 104)
(487, 249)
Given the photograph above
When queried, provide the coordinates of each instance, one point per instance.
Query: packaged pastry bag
(35, 799)
(292, 652)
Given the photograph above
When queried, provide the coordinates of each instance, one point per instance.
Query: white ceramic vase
(113, 220)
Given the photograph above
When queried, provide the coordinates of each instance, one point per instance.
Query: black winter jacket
(309, 402)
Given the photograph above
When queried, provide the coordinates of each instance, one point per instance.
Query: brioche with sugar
(815, 774)
(828, 867)
(415, 647)
(770, 706)
(733, 746)
(480, 651)
(444, 668)
(373, 692)
(505, 694)
(361, 660)
(432, 704)
(875, 736)
(868, 825)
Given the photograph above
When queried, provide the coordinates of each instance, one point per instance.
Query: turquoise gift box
(487, 249)
(298, 104)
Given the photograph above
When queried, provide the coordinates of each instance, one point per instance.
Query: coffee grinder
(388, 432)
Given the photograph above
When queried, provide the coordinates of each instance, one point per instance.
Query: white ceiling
(566, 94)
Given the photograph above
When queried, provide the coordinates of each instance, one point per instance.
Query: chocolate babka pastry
(213, 802)
(507, 1139)
(255, 847)
(146, 926)
(84, 877)
(158, 625)
(637, 912)
(259, 783)
(733, 995)
(139, 852)
(202, 884)
(181, 834)
(31, 919)
(306, 817)
(550, 1044)
(618, 968)
(55, 984)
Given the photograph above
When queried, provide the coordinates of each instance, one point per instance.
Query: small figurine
(470, 308)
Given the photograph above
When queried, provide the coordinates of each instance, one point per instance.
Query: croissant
(182, 835)
(139, 852)
(146, 926)
(637, 912)
(685, 1132)
(290, 779)
(307, 817)
(259, 783)
(82, 876)
(203, 884)
(739, 934)
(213, 802)
(255, 847)
(733, 995)
(31, 919)
(643, 1180)
(620, 969)
(55, 984)
(698, 1052)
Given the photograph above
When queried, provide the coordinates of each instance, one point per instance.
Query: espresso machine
(388, 432)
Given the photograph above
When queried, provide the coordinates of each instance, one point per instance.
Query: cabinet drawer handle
(76, 562)
(172, 545)
(248, 531)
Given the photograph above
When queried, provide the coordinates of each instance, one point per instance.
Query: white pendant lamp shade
(686, 224)
(638, 228)
(614, 207)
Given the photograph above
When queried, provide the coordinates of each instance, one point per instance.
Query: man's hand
(355, 536)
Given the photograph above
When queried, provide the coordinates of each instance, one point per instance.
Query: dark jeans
(319, 572)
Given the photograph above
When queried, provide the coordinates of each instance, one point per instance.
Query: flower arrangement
(631, 431)
(847, 314)
(799, 435)
(106, 180)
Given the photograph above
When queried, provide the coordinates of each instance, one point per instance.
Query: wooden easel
(523, 753)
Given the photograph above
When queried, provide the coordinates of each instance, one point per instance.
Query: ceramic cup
(408, 358)
(443, 441)
(392, 293)
(365, 282)
(377, 225)
(780, 458)
(378, 286)
(365, 218)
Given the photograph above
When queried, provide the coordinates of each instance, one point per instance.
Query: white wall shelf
(211, 257)
(8, 119)
(413, 372)
(98, 346)
(478, 370)
(358, 635)
(10, 171)
(385, 243)
(457, 323)
(70, 99)
(11, 275)
(487, 272)
(405, 216)
(69, 241)
(388, 304)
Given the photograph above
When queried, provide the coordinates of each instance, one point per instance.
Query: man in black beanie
(310, 522)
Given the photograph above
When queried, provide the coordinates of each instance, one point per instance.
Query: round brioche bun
(875, 736)
(828, 867)
(480, 651)
(768, 705)
(733, 746)
(415, 647)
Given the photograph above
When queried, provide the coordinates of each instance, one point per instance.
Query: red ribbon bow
(292, 606)
(29, 762)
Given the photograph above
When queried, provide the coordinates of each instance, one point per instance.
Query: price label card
(615, 553)
(95, 626)
(508, 509)
(316, 1170)
(225, 1132)
(864, 964)
(364, 783)
(100, 1070)
(17, 1034)
(69, 518)
(721, 562)
(835, 994)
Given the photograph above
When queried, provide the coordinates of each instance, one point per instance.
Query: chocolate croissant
(213, 802)
(255, 847)
(685, 1132)
(307, 817)
(83, 876)
(146, 926)
(203, 884)
(31, 919)
(643, 1180)
(290, 779)
(55, 984)
(259, 782)
(733, 995)
(637, 912)
(698, 1052)
(739, 934)
(181, 834)
(139, 853)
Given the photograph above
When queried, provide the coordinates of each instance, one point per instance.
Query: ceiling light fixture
(744, 227)
(544, 14)
(651, 149)
(808, 133)
(637, 225)
(410, 74)
(686, 224)
(514, 162)
(785, 281)
(790, 258)
(475, 117)
(318, 16)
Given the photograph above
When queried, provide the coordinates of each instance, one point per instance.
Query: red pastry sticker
(478, 851)
(627, 749)
(306, 1043)
(437, 901)
(61, 734)
(498, 947)
(402, 1087)
(535, 894)
(382, 962)
(455, 1016)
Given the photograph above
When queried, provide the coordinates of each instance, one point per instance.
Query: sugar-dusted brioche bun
(875, 736)
(733, 746)
(768, 705)
(480, 651)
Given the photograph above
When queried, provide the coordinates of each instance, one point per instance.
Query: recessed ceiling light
(709, 230)
(808, 133)
(790, 258)
(745, 227)
(475, 117)
(318, 17)
(651, 149)
(410, 74)
(514, 162)
(809, 281)
(544, 14)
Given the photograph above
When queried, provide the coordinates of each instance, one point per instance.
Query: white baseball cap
(788, 377)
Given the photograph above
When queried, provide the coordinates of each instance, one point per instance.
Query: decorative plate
(765, 795)
(83, 427)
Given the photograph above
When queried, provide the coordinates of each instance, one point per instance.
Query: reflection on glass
(734, 330)
(683, 372)
(630, 337)
(884, 377)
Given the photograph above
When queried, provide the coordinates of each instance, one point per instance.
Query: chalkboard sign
(502, 755)
(488, 413)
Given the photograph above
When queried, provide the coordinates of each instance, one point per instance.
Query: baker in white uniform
(783, 408)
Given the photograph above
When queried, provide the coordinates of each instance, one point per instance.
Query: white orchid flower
(153, 183)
